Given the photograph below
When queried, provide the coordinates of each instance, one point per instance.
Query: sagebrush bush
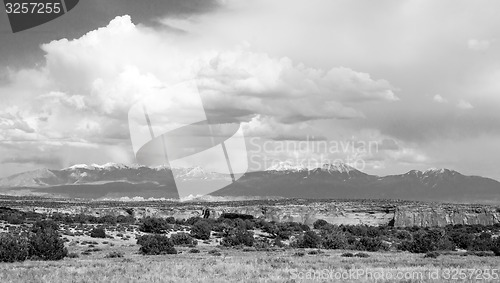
(318, 224)
(46, 245)
(114, 254)
(238, 237)
(334, 240)
(427, 241)
(201, 230)
(44, 225)
(13, 247)
(156, 245)
(98, 232)
(370, 244)
(153, 225)
(183, 239)
(236, 216)
(431, 255)
(308, 240)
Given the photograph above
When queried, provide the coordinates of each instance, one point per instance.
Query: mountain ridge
(324, 181)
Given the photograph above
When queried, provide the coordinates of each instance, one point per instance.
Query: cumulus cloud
(11, 119)
(83, 91)
(439, 99)
(104, 72)
(463, 104)
(257, 83)
(478, 44)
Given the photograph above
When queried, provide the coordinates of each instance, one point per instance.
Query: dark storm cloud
(23, 48)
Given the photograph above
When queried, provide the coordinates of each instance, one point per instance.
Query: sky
(386, 86)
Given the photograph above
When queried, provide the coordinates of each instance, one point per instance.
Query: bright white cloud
(85, 88)
(439, 99)
(463, 104)
(478, 44)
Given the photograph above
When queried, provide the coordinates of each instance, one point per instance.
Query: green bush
(183, 239)
(13, 248)
(238, 237)
(236, 216)
(309, 240)
(44, 225)
(153, 225)
(370, 244)
(427, 241)
(155, 245)
(201, 230)
(333, 240)
(47, 245)
(114, 254)
(431, 255)
(98, 232)
(318, 224)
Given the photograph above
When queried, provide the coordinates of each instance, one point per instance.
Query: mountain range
(328, 181)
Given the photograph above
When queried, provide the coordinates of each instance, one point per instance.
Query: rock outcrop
(356, 212)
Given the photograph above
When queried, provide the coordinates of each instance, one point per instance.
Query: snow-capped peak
(337, 166)
(289, 166)
(286, 166)
(94, 166)
(110, 165)
(435, 170)
(79, 166)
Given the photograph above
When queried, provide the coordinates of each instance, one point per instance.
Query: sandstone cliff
(373, 213)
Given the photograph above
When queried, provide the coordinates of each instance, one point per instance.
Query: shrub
(262, 244)
(153, 225)
(314, 252)
(431, 255)
(361, 255)
(309, 240)
(47, 245)
(238, 237)
(370, 244)
(183, 239)
(14, 219)
(194, 251)
(403, 235)
(461, 239)
(334, 240)
(13, 248)
(98, 232)
(347, 255)
(278, 243)
(201, 230)
(155, 245)
(318, 224)
(73, 255)
(114, 254)
(236, 216)
(299, 253)
(44, 225)
(214, 252)
(427, 241)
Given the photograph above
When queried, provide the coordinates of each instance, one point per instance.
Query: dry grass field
(237, 266)
(116, 256)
